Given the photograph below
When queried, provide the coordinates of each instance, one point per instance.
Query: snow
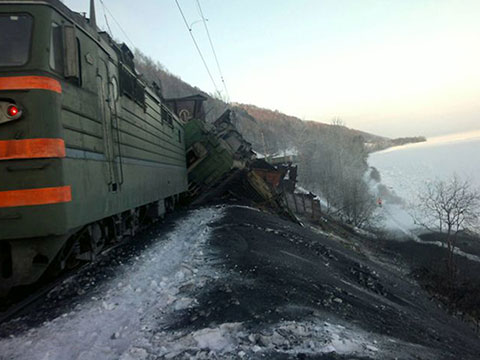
(218, 339)
(292, 151)
(398, 219)
(246, 207)
(134, 316)
(312, 336)
(258, 155)
(118, 322)
(406, 169)
(301, 190)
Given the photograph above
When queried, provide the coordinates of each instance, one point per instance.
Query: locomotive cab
(32, 184)
(36, 55)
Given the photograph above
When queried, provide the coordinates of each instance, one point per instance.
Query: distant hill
(382, 145)
(275, 131)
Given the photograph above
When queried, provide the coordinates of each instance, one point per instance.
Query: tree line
(334, 165)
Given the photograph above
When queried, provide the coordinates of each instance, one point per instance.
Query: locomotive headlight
(13, 111)
(9, 112)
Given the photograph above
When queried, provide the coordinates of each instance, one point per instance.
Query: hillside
(266, 129)
(281, 131)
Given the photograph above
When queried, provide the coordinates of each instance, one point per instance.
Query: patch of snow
(314, 337)
(217, 339)
(301, 190)
(116, 323)
(398, 220)
(258, 155)
(292, 151)
(245, 207)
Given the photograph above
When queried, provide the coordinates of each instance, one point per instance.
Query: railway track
(25, 301)
(18, 307)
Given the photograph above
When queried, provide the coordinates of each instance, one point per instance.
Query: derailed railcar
(86, 149)
(213, 150)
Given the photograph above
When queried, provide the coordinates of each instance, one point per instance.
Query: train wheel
(134, 221)
(169, 205)
(97, 238)
(65, 259)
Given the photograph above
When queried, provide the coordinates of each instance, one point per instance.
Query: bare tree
(333, 164)
(449, 207)
(337, 121)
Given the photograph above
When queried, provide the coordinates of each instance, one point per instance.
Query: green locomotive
(86, 149)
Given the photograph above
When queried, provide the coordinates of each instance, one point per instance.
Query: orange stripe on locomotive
(30, 83)
(41, 196)
(32, 149)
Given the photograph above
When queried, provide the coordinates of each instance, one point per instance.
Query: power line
(118, 24)
(106, 20)
(197, 47)
(213, 49)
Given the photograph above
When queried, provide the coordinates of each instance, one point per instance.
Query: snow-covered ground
(119, 323)
(136, 315)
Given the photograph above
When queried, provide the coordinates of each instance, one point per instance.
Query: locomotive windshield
(15, 38)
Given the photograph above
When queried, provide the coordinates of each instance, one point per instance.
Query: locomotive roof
(84, 23)
(188, 98)
(79, 18)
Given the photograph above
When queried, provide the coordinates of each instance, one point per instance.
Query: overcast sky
(390, 67)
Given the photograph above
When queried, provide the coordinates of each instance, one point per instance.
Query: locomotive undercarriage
(28, 261)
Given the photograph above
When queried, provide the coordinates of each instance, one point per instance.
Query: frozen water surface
(407, 169)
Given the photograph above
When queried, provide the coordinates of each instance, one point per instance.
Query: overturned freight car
(213, 150)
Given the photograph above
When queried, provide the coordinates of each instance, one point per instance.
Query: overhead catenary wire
(118, 24)
(107, 10)
(213, 50)
(196, 46)
(106, 19)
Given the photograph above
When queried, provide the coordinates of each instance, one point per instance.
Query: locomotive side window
(114, 88)
(56, 48)
(79, 53)
(15, 39)
(130, 86)
(71, 54)
(167, 117)
(164, 114)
